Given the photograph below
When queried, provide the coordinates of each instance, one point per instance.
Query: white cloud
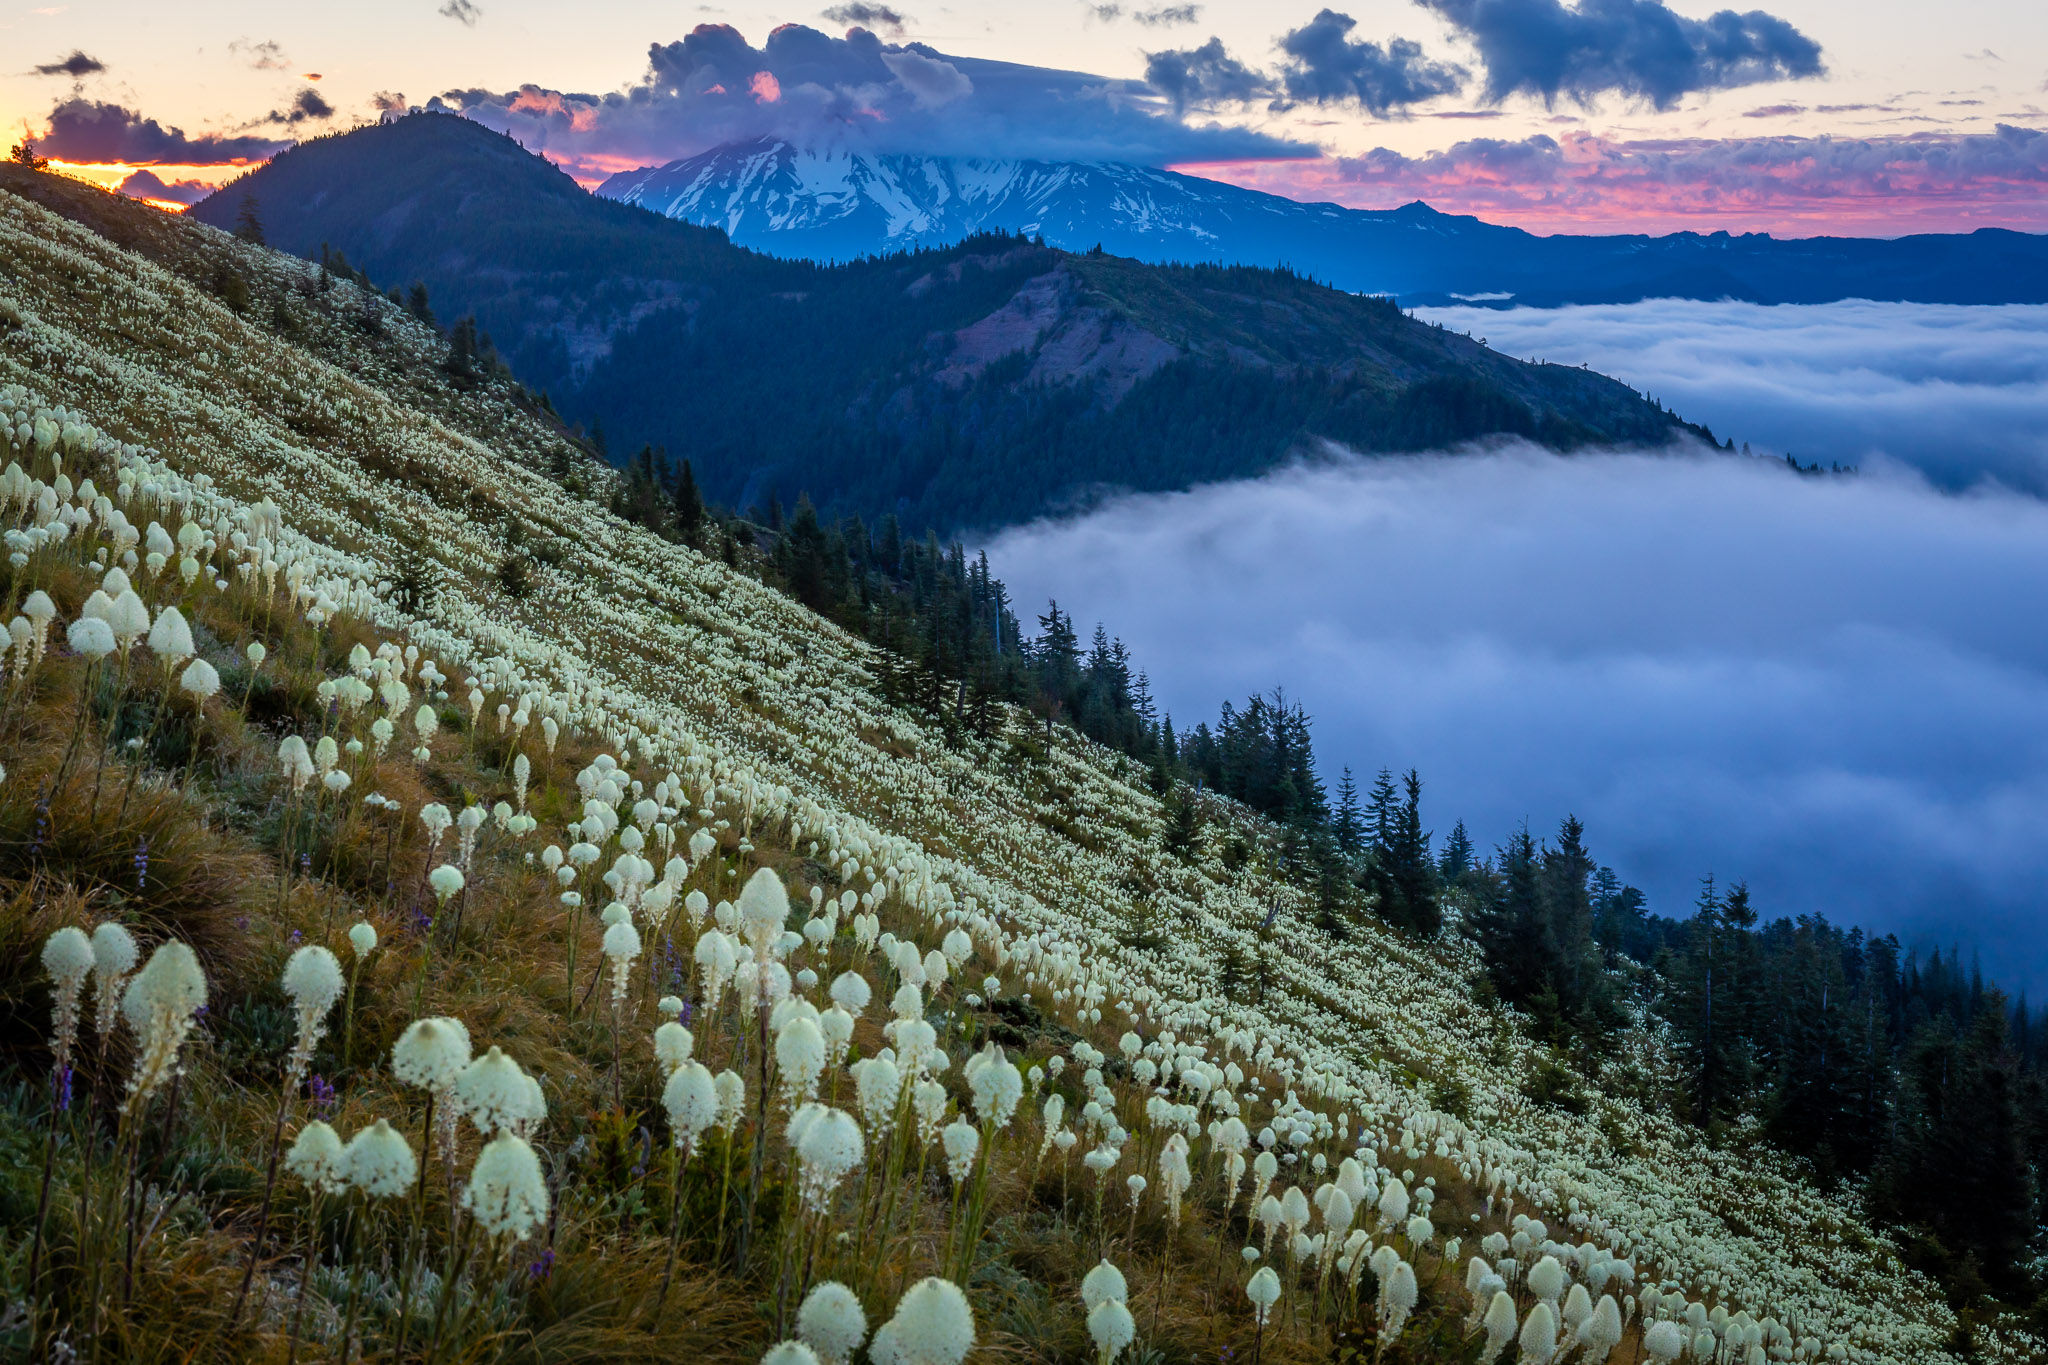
(1959, 392)
(1836, 688)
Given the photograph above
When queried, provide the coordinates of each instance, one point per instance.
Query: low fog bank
(1836, 688)
(1960, 393)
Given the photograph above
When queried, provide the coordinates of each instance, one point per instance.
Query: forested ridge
(974, 385)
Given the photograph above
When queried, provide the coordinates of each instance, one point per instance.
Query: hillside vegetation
(976, 385)
(636, 819)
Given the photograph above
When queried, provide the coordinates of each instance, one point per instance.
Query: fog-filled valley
(1832, 686)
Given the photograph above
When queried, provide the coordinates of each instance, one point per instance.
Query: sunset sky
(1809, 116)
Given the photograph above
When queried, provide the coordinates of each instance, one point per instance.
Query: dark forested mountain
(976, 384)
(838, 205)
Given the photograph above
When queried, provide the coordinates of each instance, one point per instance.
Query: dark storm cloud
(1206, 75)
(92, 131)
(1325, 64)
(715, 87)
(150, 185)
(867, 16)
(1834, 688)
(77, 66)
(307, 105)
(1635, 48)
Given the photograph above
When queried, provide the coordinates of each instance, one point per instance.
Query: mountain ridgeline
(839, 204)
(973, 385)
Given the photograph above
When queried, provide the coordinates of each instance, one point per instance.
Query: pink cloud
(767, 90)
(1802, 186)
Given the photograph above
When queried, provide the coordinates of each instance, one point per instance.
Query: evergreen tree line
(1908, 1078)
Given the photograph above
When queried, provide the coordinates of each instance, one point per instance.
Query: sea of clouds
(1960, 393)
(1835, 688)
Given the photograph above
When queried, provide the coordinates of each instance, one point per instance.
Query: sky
(1808, 116)
(1833, 688)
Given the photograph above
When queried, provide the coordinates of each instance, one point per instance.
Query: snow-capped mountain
(839, 204)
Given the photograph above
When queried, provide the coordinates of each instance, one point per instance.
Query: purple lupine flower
(64, 1091)
(142, 863)
(543, 1265)
(321, 1094)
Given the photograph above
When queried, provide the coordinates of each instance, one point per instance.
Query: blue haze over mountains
(837, 205)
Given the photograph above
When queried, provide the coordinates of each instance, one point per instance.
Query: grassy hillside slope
(975, 385)
(341, 495)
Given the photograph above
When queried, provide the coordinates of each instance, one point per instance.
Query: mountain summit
(840, 205)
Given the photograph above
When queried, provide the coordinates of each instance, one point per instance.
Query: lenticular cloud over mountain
(1836, 688)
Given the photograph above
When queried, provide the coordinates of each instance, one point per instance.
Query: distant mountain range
(838, 205)
(976, 385)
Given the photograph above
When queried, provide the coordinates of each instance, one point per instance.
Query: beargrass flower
(933, 1325)
(380, 1162)
(831, 1323)
(507, 1195)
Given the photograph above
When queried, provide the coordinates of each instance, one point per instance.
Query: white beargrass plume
(831, 1323)
(496, 1095)
(1265, 1167)
(1397, 1299)
(113, 957)
(431, 1054)
(691, 1099)
(68, 958)
(1538, 1338)
(507, 1194)
(316, 1158)
(1546, 1280)
(694, 1103)
(996, 1085)
(320, 1160)
(763, 910)
(445, 881)
(1104, 1282)
(877, 1085)
(200, 681)
(1263, 1289)
(1601, 1331)
(932, 1326)
(851, 992)
(790, 1353)
(621, 945)
(1053, 1114)
(1393, 1205)
(1500, 1322)
(837, 1026)
(1664, 1340)
(1578, 1306)
(295, 761)
(828, 1148)
(672, 1046)
(1174, 1175)
(1111, 1328)
(380, 1162)
(962, 1142)
(313, 982)
(158, 1005)
(799, 1060)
